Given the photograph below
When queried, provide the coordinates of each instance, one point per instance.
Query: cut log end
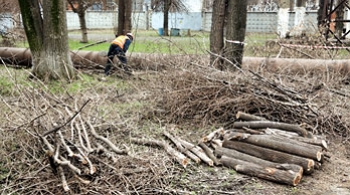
(319, 156)
(297, 179)
(184, 162)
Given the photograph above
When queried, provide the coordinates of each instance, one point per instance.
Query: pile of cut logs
(274, 151)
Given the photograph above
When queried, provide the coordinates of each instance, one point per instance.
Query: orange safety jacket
(120, 41)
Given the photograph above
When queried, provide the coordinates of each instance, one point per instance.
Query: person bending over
(119, 46)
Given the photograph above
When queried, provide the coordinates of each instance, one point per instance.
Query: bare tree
(233, 15)
(124, 17)
(167, 6)
(217, 33)
(235, 32)
(46, 29)
(79, 7)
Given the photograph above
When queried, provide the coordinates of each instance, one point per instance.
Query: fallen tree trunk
(21, 56)
(271, 124)
(220, 151)
(285, 145)
(281, 176)
(271, 155)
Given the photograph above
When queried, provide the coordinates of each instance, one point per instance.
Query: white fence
(256, 21)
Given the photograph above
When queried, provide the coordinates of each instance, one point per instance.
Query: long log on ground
(297, 64)
(271, 155)
(249, 117)
(22, 56)
(220, 151)
(268, 173)
(285, 145)
(270, 124)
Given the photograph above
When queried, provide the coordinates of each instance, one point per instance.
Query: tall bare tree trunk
(121, 17)
(128, 12)
(217, 33)
(79, 7)
(48, 39)
(235, 33)
(124, 16)
(82, 21)
(167, 4)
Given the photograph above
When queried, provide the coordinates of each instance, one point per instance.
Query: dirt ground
(173, 91)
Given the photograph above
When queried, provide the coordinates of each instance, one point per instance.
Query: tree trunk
(121, 17)
(217, 33)
(235, 33)
(83, 27)
(128, 11)
(48, 39)
(167, 4)
(271, 155)
(33, 26)
(80, 10)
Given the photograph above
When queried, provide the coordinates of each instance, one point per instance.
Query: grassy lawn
(151, 42)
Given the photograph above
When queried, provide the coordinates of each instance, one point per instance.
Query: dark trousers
(114, 50)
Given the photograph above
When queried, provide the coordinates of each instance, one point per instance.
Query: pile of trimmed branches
(52, 142)
(274, 151)
(210, 97)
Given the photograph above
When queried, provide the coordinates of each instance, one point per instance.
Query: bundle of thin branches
(200, 97)
(52, 142)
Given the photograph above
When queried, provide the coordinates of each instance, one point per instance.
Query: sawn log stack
(274, 151)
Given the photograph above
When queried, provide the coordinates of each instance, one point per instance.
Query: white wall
(194, 5)
(265, 22)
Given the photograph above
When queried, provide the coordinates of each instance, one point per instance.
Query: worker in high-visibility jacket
(119, 46)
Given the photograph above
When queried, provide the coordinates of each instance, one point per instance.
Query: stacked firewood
(274, 151)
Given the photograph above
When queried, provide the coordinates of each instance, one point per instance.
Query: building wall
(264, 22)
(191, 21)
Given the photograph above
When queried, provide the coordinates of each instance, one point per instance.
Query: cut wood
(247, 130)
(213, 135)
(181, 148)
(209, 153)
(220, 151)
(270, 131)
(268, 173)
(216, 143)
(271, 155)
(284, 145)
(316, 142)
(269, 124)
(197, 151)
(182, 159)
(249, 117)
